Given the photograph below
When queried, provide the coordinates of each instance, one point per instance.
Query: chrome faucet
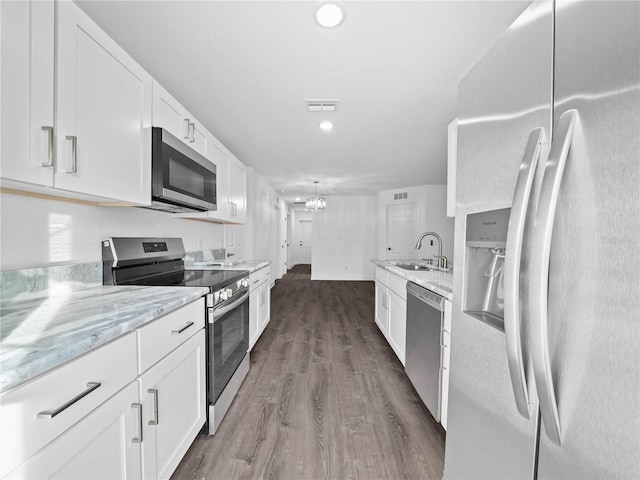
(442, 260)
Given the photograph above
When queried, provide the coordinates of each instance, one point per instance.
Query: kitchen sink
(414, 266)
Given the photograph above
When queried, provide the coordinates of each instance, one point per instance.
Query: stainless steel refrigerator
(549, 126)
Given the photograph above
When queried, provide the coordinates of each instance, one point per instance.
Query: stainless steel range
(159, 262)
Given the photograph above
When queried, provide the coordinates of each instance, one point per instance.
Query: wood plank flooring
(326, 397)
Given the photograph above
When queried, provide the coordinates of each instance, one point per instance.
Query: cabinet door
(104, 107)
(169, 114)
(27, 91)
(254, 317)
(382, 311)
(265, 305)
(105, 444)
(174, 401)
(237, 189)
(397, 324)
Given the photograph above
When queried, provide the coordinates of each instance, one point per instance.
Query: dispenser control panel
(488, 229)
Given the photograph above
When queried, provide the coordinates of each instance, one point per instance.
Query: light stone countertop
(435, 280)
(42, 330)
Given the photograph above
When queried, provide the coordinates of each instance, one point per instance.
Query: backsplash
(35, 281)
(40, 232)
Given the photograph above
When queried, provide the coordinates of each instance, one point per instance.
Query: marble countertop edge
(439, 282)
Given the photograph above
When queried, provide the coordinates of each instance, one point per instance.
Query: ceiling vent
(321, 105)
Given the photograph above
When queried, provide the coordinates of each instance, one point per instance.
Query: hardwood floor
(326, 397)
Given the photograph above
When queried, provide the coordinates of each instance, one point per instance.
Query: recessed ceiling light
(326, 126)
(329, 15)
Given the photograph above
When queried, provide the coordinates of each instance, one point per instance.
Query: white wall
(344, 239)
(36, 232)
(432, 204)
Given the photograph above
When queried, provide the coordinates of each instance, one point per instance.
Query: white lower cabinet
(254, 317)
(382, 310)
(105, 444)
(259, 303)
(92, 418)
(391, 310)
(174, 399)
(265, 305)
(445, 349)
(397, 324)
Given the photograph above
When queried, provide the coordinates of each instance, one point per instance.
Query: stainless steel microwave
(182, 180)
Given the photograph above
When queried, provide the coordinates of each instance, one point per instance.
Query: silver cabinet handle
(192, 135)
(154, 392)
(539, 288)
(256, 280)
(182, 329)
(513, 254)
(49, 162)
(74, 154)
(138, 439)
(186, 128)
(91, 386)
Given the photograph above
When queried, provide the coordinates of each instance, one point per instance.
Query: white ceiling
(244, 69)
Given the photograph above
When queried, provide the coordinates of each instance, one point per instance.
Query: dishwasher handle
(426, 296)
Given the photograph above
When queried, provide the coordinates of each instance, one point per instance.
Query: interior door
(304, 241)
(594, 306)
(402, 231)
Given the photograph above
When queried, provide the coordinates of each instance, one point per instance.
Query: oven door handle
(220, 311)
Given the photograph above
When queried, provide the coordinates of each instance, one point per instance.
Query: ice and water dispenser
(485, 248)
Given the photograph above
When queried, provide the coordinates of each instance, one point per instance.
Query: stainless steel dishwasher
(422, 363)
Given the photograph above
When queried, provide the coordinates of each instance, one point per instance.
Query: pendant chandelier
(315, 203)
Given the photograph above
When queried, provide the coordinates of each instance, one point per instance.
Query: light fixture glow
(329, 15)
(326, 126)
(315, 203)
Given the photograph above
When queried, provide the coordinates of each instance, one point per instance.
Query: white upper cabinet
(237, 190)
(169, 114)
(452, 155)
(104, 111)
(27, 69)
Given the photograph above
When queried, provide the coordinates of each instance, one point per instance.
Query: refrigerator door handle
(539, 279)
(513, 254)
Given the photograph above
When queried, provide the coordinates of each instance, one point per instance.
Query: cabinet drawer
(381, 275)
(265, 274)
(254, 280)
(398, 285)
(28, 412)
(160, 337)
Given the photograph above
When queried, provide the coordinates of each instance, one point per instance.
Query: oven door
(228, 341)
(181, 176)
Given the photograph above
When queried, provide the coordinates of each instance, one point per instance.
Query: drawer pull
(138, 439)
(91, 386)
(256, 280)
(154, 392)
(182, 329)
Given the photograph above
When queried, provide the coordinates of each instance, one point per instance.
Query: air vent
(321, 105)
(400, 196)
